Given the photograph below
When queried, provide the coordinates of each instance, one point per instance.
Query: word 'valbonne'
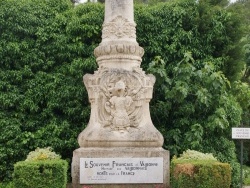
(92, 164)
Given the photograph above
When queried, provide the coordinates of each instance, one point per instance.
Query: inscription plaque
(121, 170)
(240, 133)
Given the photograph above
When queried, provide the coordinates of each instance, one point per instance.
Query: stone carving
(119, 91)
(119, 95)
(126, 51)
(119, 28)
(119, 49)
(118, 107)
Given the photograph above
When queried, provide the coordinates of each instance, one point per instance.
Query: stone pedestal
(120, 152)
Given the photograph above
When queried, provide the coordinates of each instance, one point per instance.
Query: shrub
(40, 174)
(7, 185)
(42, 154)
(196, 155)
(246, 175)
(201, 172)
(43, 168)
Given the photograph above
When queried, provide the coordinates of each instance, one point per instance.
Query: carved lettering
(122, 170)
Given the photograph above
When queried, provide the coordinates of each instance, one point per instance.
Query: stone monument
(120, 147)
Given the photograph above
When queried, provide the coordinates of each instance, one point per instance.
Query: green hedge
(40, 174)
(47, 46)
(200, 174)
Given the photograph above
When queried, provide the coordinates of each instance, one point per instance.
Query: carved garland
(119, 28)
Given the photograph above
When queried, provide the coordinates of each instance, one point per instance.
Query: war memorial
(120, 147)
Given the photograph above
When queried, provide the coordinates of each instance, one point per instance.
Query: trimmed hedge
(40, 174)
(200, 174)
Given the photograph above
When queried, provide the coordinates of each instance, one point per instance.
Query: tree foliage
(196, 71)
(241, 89)
(149, 2)
(242, 8)
(47, 46)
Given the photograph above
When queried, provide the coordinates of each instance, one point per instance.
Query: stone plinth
(120, 152)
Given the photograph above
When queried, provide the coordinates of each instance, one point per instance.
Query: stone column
(119, 92)
(119, 48)
(114, 8)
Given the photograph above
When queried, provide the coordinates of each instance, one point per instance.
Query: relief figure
(119, 106)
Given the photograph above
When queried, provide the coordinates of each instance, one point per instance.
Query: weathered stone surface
(119, 48)
(120, 114)
(120, 152)
(119, 21)
(119, 55)
(126, 170)
(120, 125)
(119, 91)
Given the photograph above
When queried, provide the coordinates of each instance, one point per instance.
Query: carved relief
(119, 28)
(119, 91)
(119, 96)
(129, 51)
(118, 107)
